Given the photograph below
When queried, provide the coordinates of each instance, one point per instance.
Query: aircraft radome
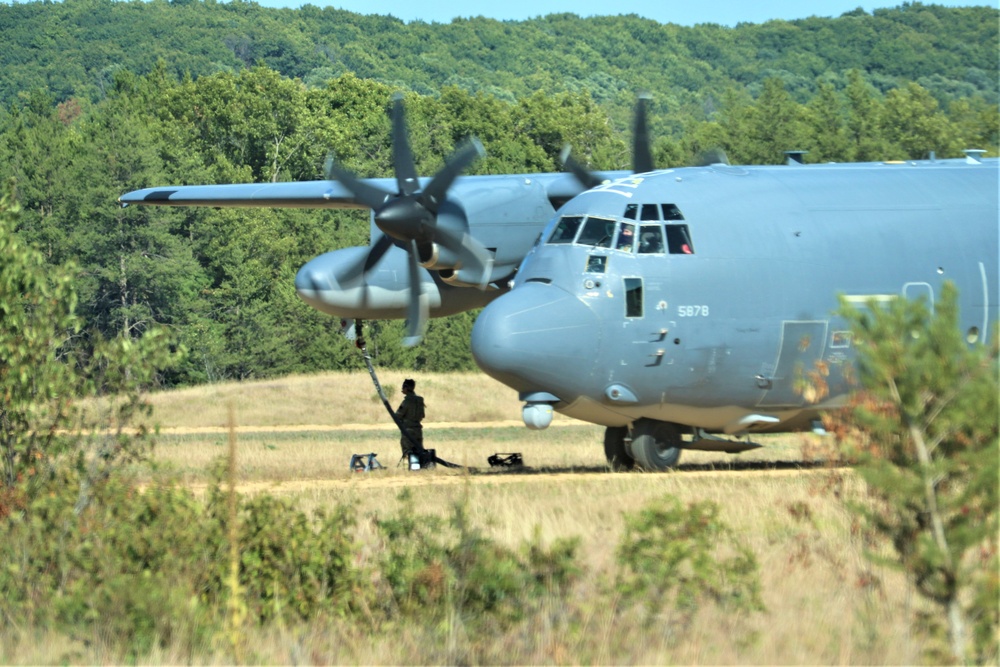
(671, 306)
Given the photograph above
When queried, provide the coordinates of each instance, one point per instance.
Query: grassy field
(825, 603)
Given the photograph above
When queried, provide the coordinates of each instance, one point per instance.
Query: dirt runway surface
(393, 476)
(400, 478)
(329, 428)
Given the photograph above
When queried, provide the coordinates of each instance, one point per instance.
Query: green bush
(129, 567)
(292, 567)
(434, 570)
(136, 568)
(676, 558)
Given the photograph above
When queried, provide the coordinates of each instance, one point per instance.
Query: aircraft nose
(538, 338)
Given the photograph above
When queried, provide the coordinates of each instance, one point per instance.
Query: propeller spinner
(409, 218)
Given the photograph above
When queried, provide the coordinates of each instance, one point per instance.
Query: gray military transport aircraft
(674, 306)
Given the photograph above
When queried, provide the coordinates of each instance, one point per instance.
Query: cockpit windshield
(597, 232)
(646, 229)
(565, 231)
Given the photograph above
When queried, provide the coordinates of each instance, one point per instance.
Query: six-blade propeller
(409, 219)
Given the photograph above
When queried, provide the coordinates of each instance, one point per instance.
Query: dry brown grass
(825, 605)
(335, 399)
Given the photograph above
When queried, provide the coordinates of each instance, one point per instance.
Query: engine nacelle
(436, 257)
(463, 277)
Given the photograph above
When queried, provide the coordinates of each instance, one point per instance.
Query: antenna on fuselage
(793, 158)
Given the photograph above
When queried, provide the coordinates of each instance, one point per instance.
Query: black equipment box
(508, 460)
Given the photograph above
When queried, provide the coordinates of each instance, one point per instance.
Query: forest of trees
(101, 97)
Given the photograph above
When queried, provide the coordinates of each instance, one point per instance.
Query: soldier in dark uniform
(410, 415)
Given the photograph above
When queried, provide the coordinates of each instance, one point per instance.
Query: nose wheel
(656, 445)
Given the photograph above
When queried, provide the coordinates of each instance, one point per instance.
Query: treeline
(222, 280)
(73, 49)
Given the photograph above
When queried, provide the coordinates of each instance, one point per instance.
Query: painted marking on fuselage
(692, 311)
(986, 301)
(865, 298)
(912, 291)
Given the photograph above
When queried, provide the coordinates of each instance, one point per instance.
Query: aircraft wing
(559, 187)
(300, 194)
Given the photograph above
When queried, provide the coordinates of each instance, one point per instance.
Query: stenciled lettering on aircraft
(631, 182)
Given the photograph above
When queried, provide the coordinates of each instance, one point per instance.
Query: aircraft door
(802, 345)
(646, 325)
(914, 291)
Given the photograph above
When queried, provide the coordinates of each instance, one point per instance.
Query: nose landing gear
(654, 445)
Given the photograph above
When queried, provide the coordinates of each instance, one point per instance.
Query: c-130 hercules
(671, 306)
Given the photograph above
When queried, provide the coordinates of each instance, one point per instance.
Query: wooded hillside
(73, 48)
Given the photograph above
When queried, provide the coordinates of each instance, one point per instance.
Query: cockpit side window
(650, 239)
(597, 232)
(650, 212)
(566, 229)
(626, 237)
(633, 297)
(679, 240)
(671, 212)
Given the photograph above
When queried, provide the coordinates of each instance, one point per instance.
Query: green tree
(914, 125)
(976, 124)
(825, 117)
(42, 379)
(923, 431)
(863, 112)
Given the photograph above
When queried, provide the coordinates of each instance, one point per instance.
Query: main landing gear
(653, 445)
(656, 446)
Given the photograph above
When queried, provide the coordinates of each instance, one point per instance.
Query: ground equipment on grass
(508, 460)
(365, 462)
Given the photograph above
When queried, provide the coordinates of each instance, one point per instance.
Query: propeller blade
(459, 161)
(402, 155)
(369, 195)
(642, 152)
(473, 254)
(710, 157)
(369, 260)
(586, 178)
(416, 315)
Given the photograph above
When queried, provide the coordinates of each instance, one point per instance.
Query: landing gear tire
(656, 446)
(615, 450)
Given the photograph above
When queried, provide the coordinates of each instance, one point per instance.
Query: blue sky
(683, 12)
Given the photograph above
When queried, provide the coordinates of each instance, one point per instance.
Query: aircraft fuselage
(714, 310)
